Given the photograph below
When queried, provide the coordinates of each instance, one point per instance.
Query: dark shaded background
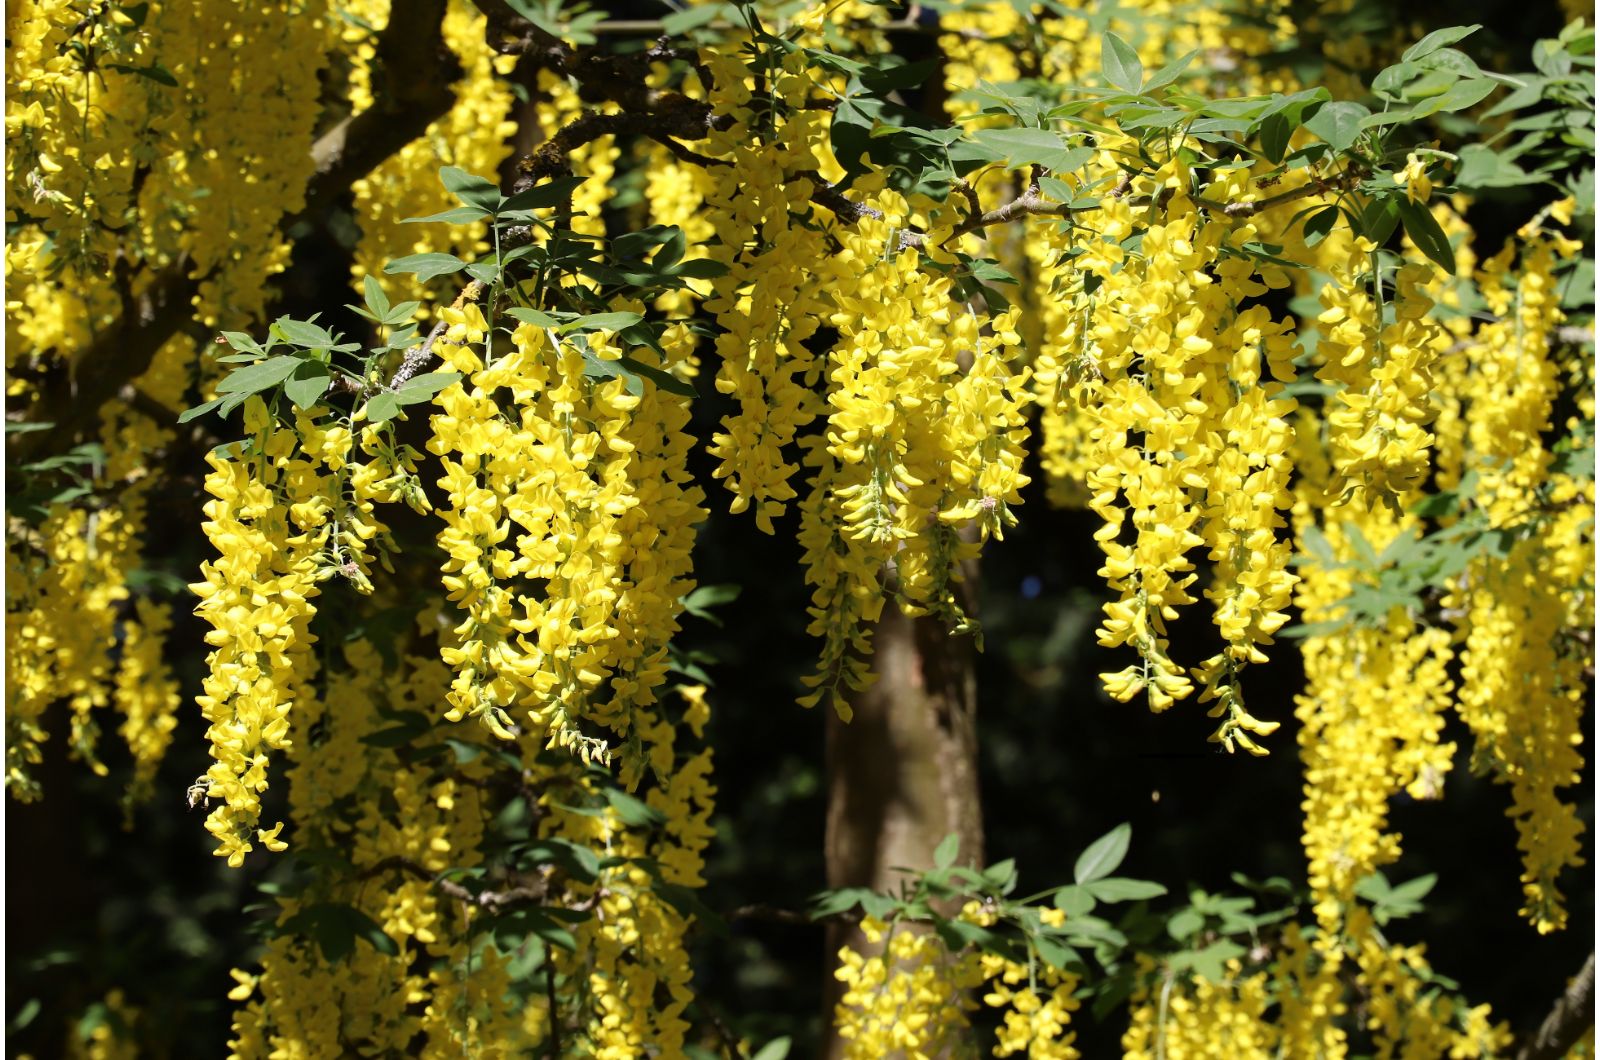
(90, 906)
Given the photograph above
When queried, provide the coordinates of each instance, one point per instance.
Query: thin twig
(417, 359)
(550, 998)
(1569, 1018)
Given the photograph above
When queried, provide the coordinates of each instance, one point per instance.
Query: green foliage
(66, 478)
(1392, 903)
(1017, 931)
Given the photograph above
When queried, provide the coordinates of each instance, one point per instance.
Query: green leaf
(421, 388)
(303, 333)
(1121, 889)
(959, 934)
(1211, 962)
(426, 266)
(382, 407)
(372, 294)
(485, 272)
(1380, 217)
(574, 859)
(1091, 930)
(470, 188)
(600, 322)
(944, 855)
(597, 368)
(881, 80)
(308, 383)
(1415, 890)
(458, 215)
(829, 903)
(632, 811)
(543, 196)
(1338, 123)
(198, 410)
(711, 596)
(700, 269)
(679, 23)
(1459, 96)
(1425, 232)
(1275, 137)
(398, 314)
(1169, 73)
(254, 378)
(1319, 224)
(336, 927)
(1439, 38)
(1056, 953)
(778, 1048)
(1120, 63)
(1074, 900)
(154, 72)
(241, 342)
(553, 933)
(1002, 875)
(1032, 147)
(396, 735)
(533, 316)
(1185, 923)
(1103, 855)
(665, 380)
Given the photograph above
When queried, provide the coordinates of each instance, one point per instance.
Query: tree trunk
(903, 774)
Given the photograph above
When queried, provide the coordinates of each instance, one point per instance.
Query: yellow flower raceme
(146, 694)
(771, 299)
(1184, 436)
(1522, 688)
(909, 997)
(281, 523)
(65, 586)
(907, 994)
(567, 534)
(474, 135)
(1383, 375)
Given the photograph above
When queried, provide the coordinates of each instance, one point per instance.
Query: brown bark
(415, 72)
(1569, 1019)
(903, 774)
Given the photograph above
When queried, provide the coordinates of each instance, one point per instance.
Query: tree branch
(1316, 186)
(418, 359)
(493, 901)
(1569, 1018)
(417, 70)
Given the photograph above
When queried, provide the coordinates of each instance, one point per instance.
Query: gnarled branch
(417, 72)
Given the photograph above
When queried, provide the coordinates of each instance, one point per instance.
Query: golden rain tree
(384, 376)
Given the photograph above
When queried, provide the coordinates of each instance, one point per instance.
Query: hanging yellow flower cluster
(915, 447)
(1289, 1007)
(291, 507)
(253, 163)
(630, 965)
(299, 1003)
(1379, 443)
(474, 135)
(115, 113)
(771, 299)
(66, 580)
(1523, 689)
(913, 997)
(146, 693)
(1183, 434)
(465, 977)
(569, 582)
